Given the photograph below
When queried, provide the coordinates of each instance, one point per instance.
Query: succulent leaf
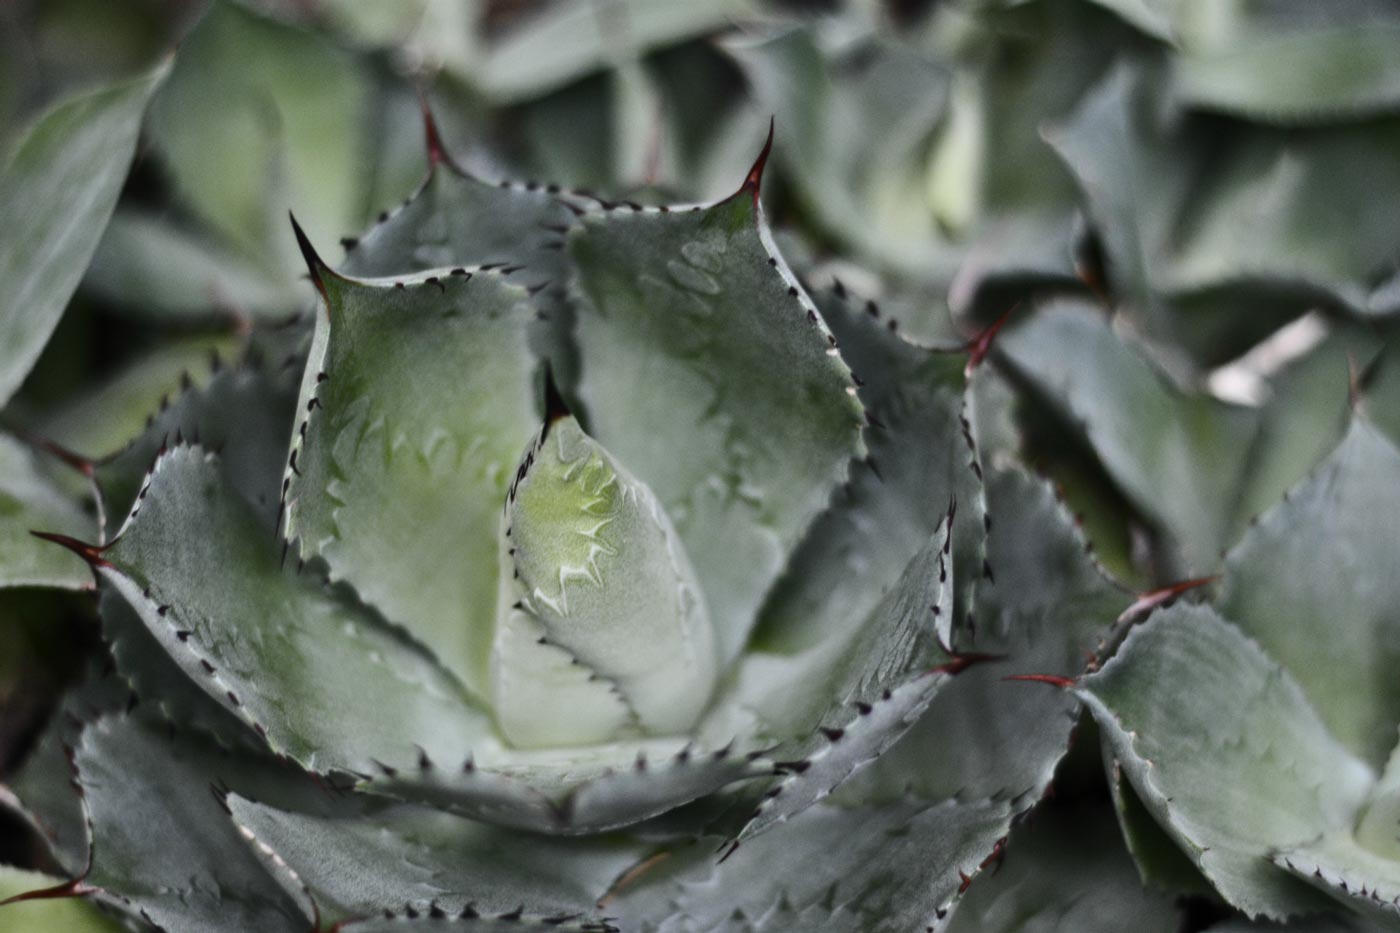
(919, 460)
(60, 186)
(1178, 457)
(1230, 789)
(456, 219)
(287, 132)
(894, 867)
(1327, 614)
(416, 402)
(1049, 607)
(1063, 870)
(708, 372)
(324, 680)
(1291, 76)
(163, 848)
(242, 412)
(412, 859)
(591, 564)
(32, 498)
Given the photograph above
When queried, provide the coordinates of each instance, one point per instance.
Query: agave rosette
(662, 611)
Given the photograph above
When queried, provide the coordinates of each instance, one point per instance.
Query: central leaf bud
(601, 628)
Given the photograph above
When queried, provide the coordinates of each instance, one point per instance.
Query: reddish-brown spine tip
(1054, 680)
(88, 552)
(957, 663)
(74, 888)
(314, 263)
(1154, 598)
(432, 137)
(755, 177)
(978, 347)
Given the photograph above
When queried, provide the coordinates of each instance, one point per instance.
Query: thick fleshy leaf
(163, 847)
(31, 498)
(153, 268)
(1160, 861)
(1047, 607)
(597, 576)
(403, 858)
(707, 371)
(1313, 583)
(566, 41)
(243, 412)
(157, 681)
(1306, 413)
(895, 867)
(456, 219)
(321, 678)
(856, 133)
(416, 403)
(1362, 879)
(57, 192)
(1202, 221)
(70, 916)
(105, 417)
(575, 791)
(850, 697)
(1178, 457)
(291, 131)
(46, 795)
(1062, 870)
(1292, 77)
(921, 458)
(1231, 789)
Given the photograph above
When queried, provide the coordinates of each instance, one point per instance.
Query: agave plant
(660, 612)
(579, 562)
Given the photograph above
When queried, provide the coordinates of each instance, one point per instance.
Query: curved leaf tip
(314, 264)
(754, 179)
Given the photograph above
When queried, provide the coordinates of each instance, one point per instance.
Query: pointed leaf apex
(314, 263)
(755, 176)
(1054, 680)
(1154, 598)
(432, 137)
(88, 552)
(75, 888)
(979, 346)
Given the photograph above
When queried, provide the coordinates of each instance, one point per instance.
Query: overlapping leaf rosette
(611, 576)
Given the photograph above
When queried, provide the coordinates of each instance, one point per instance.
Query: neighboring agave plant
(611, 651)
